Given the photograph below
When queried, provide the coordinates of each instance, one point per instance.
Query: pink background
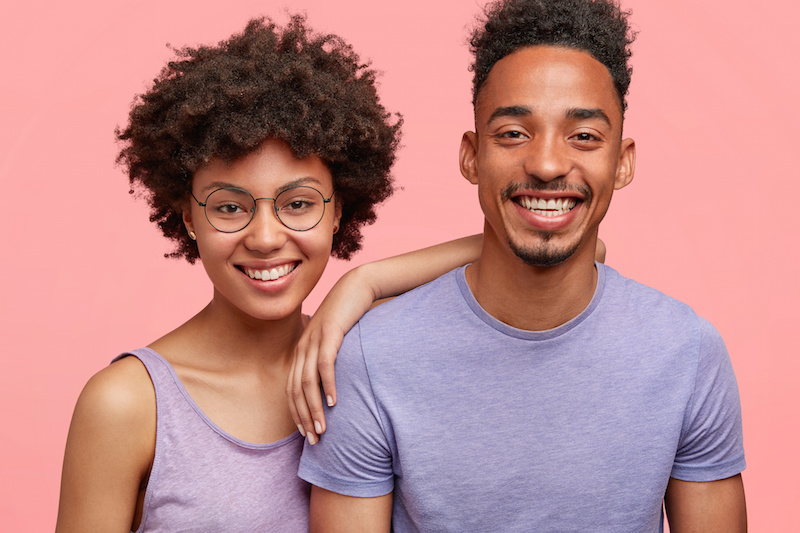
(713, 107)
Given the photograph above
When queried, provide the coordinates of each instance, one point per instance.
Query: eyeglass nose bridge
(274, 204)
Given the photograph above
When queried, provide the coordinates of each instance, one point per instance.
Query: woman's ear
(187, 221)
(337, 215)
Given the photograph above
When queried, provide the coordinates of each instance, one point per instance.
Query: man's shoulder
(643, 303)
(423, 303)
(623, 290)
(412, 319)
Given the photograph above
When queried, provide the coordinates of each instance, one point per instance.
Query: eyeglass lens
(231, 209)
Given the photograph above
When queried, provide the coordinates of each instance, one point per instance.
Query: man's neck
(528, 297)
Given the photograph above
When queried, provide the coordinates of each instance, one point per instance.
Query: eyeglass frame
(255, 206)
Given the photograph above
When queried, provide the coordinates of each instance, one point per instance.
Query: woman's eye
(229, 209)
(295, 205)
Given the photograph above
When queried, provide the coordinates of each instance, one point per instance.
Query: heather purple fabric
(204, 479)
(477, 426)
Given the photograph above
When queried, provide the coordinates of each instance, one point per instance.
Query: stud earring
(192, 236)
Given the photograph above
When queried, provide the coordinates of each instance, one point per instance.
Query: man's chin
(543, 255)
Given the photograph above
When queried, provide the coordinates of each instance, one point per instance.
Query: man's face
(547, 152)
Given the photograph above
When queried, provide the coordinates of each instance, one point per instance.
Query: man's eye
(513, 134)
(585, 137)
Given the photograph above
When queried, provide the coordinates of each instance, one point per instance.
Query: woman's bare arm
(345, 304)
(348, 300)
(109, 450)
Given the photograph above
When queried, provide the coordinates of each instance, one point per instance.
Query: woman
(262, 156)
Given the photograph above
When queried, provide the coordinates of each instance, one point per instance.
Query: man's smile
(548, 207)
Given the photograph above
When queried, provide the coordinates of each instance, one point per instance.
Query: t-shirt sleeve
(353, 456)
(711, 445)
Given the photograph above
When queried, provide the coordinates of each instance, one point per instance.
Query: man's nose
(547, 158)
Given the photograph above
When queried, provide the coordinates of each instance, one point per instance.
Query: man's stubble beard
(542, 255)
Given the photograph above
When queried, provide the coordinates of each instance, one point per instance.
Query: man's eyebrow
(579, 113)
(509, 111)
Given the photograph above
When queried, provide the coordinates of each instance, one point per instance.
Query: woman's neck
(221, 335)
(235, 369)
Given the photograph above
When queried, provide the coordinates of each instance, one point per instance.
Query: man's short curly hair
(598, 27)
(308, 89)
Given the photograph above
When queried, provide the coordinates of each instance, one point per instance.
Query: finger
(297, 400)
(309, 379)
(290, 402)
(327, 365)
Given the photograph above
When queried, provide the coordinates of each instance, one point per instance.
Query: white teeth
(548, 208)
(272, 274)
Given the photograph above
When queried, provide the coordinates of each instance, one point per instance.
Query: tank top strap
(166, 384)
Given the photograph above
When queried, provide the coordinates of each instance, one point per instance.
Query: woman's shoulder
(119, 396)
(110, 446)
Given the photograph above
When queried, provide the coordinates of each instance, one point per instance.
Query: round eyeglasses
(231, 209)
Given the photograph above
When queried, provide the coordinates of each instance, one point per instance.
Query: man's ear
(467, 156)
(626, 165)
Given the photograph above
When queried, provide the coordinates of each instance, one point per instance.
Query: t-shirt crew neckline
(511, 331)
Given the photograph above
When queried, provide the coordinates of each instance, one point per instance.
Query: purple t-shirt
(204, 479)
(478, 426)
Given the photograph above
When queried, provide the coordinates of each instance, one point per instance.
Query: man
(535, 390)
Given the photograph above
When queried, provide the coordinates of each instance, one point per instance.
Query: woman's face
(265, 270)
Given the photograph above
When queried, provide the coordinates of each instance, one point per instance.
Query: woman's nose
(265, 232)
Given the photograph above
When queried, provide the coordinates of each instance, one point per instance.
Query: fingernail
(312, 439)
(317, 427)
(301, 430)
(330, 401)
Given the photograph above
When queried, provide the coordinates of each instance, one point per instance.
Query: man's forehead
(556, 77)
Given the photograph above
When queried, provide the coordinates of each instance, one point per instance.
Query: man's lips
(548, 207)
(269, 274)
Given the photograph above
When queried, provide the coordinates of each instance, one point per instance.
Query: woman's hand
(600, 251)
(316, 351)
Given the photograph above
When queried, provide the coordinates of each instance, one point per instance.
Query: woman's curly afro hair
(224, 101)
(598, 27)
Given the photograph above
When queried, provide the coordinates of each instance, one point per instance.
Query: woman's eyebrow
(214, 185)
(299, 181)
(218, 185)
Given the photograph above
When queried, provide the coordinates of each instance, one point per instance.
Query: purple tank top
(204, 479)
